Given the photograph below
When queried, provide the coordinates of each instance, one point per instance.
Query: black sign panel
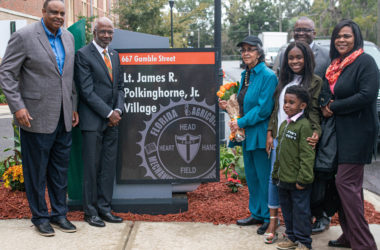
(169, 133)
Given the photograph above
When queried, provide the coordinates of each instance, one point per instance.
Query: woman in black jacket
(353, 79)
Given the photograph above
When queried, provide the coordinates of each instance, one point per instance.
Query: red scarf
(336, 67)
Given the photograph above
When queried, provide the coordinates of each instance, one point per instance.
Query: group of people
(309, 133)
(39, 75)
(285, 119)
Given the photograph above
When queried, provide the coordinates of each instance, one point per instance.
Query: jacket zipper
(279, 151)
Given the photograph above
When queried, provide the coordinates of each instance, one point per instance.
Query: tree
(364, 13)
(232, 30)
(151, 17)
(141, 15)
(197, 19)
(247, 17)
(327, 13)
(88, 20)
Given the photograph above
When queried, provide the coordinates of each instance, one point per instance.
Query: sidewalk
(5, 112)
(21, 234)
(6, 130)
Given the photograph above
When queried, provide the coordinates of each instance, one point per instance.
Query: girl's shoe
(270, 238)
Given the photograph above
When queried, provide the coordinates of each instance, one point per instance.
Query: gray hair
(305, 18)
(261, 53)
(102, 19)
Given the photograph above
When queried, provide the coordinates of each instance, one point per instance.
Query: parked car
(369, 48)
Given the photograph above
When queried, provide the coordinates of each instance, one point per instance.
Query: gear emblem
(179, 142)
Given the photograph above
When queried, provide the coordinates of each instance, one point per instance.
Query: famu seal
(179, 142)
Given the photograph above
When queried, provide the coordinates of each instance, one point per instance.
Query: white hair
(102, 19)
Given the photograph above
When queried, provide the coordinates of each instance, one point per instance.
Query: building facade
(15, 14)
(30, 10)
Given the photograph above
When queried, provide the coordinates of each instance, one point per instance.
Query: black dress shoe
(111, 218)
(263, 228)
(64, 225)
(320, 225)
(94, 221)
(336, 243)
(248, 221)
(45, 229)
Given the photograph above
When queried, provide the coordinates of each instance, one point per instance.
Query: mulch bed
(211, 202)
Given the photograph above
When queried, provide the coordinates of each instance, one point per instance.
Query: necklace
(246, 83)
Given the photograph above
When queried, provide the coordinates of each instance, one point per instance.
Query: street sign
(169, 130)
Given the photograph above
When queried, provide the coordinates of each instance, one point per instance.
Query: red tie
(108, 63)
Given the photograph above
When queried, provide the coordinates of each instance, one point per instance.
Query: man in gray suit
(36, 76)
(101, 100)
(304, 30)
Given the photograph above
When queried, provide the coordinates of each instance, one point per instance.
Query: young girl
(296, 70)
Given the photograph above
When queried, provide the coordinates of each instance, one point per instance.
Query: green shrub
(11, 174)
(2, 169)
(231, 162)
(2, 97)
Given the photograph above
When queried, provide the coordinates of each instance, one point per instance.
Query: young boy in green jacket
(293, 170)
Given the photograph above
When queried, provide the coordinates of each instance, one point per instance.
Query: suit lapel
(97, 55)
(315, 50)
(66, 44)
(46, 45)
(114, 59)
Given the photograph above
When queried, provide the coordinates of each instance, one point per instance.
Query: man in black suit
(100, 107)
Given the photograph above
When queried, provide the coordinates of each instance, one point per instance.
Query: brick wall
(74, 8)
(30, 7)
(7, 16)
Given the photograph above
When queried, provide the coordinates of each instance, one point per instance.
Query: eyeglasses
(249, 50)
(103, 32)
(55, 13)
(302, 30)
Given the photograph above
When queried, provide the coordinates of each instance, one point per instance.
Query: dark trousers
(99, 168)
(324, 196)
(295, 207)
(45, 160)
(349, 182)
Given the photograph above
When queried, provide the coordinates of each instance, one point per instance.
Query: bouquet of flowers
(228, 92)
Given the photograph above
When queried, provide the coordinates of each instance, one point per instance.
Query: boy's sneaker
(286, 244)
(302, 247)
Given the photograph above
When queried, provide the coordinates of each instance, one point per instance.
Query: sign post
(169, 132)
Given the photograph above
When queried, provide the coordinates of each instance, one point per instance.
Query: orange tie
(108, 63)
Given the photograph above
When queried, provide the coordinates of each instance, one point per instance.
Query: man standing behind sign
(36, 76)
(100, 107)
(304, 30)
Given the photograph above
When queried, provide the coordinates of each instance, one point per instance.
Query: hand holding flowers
(228, 101)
